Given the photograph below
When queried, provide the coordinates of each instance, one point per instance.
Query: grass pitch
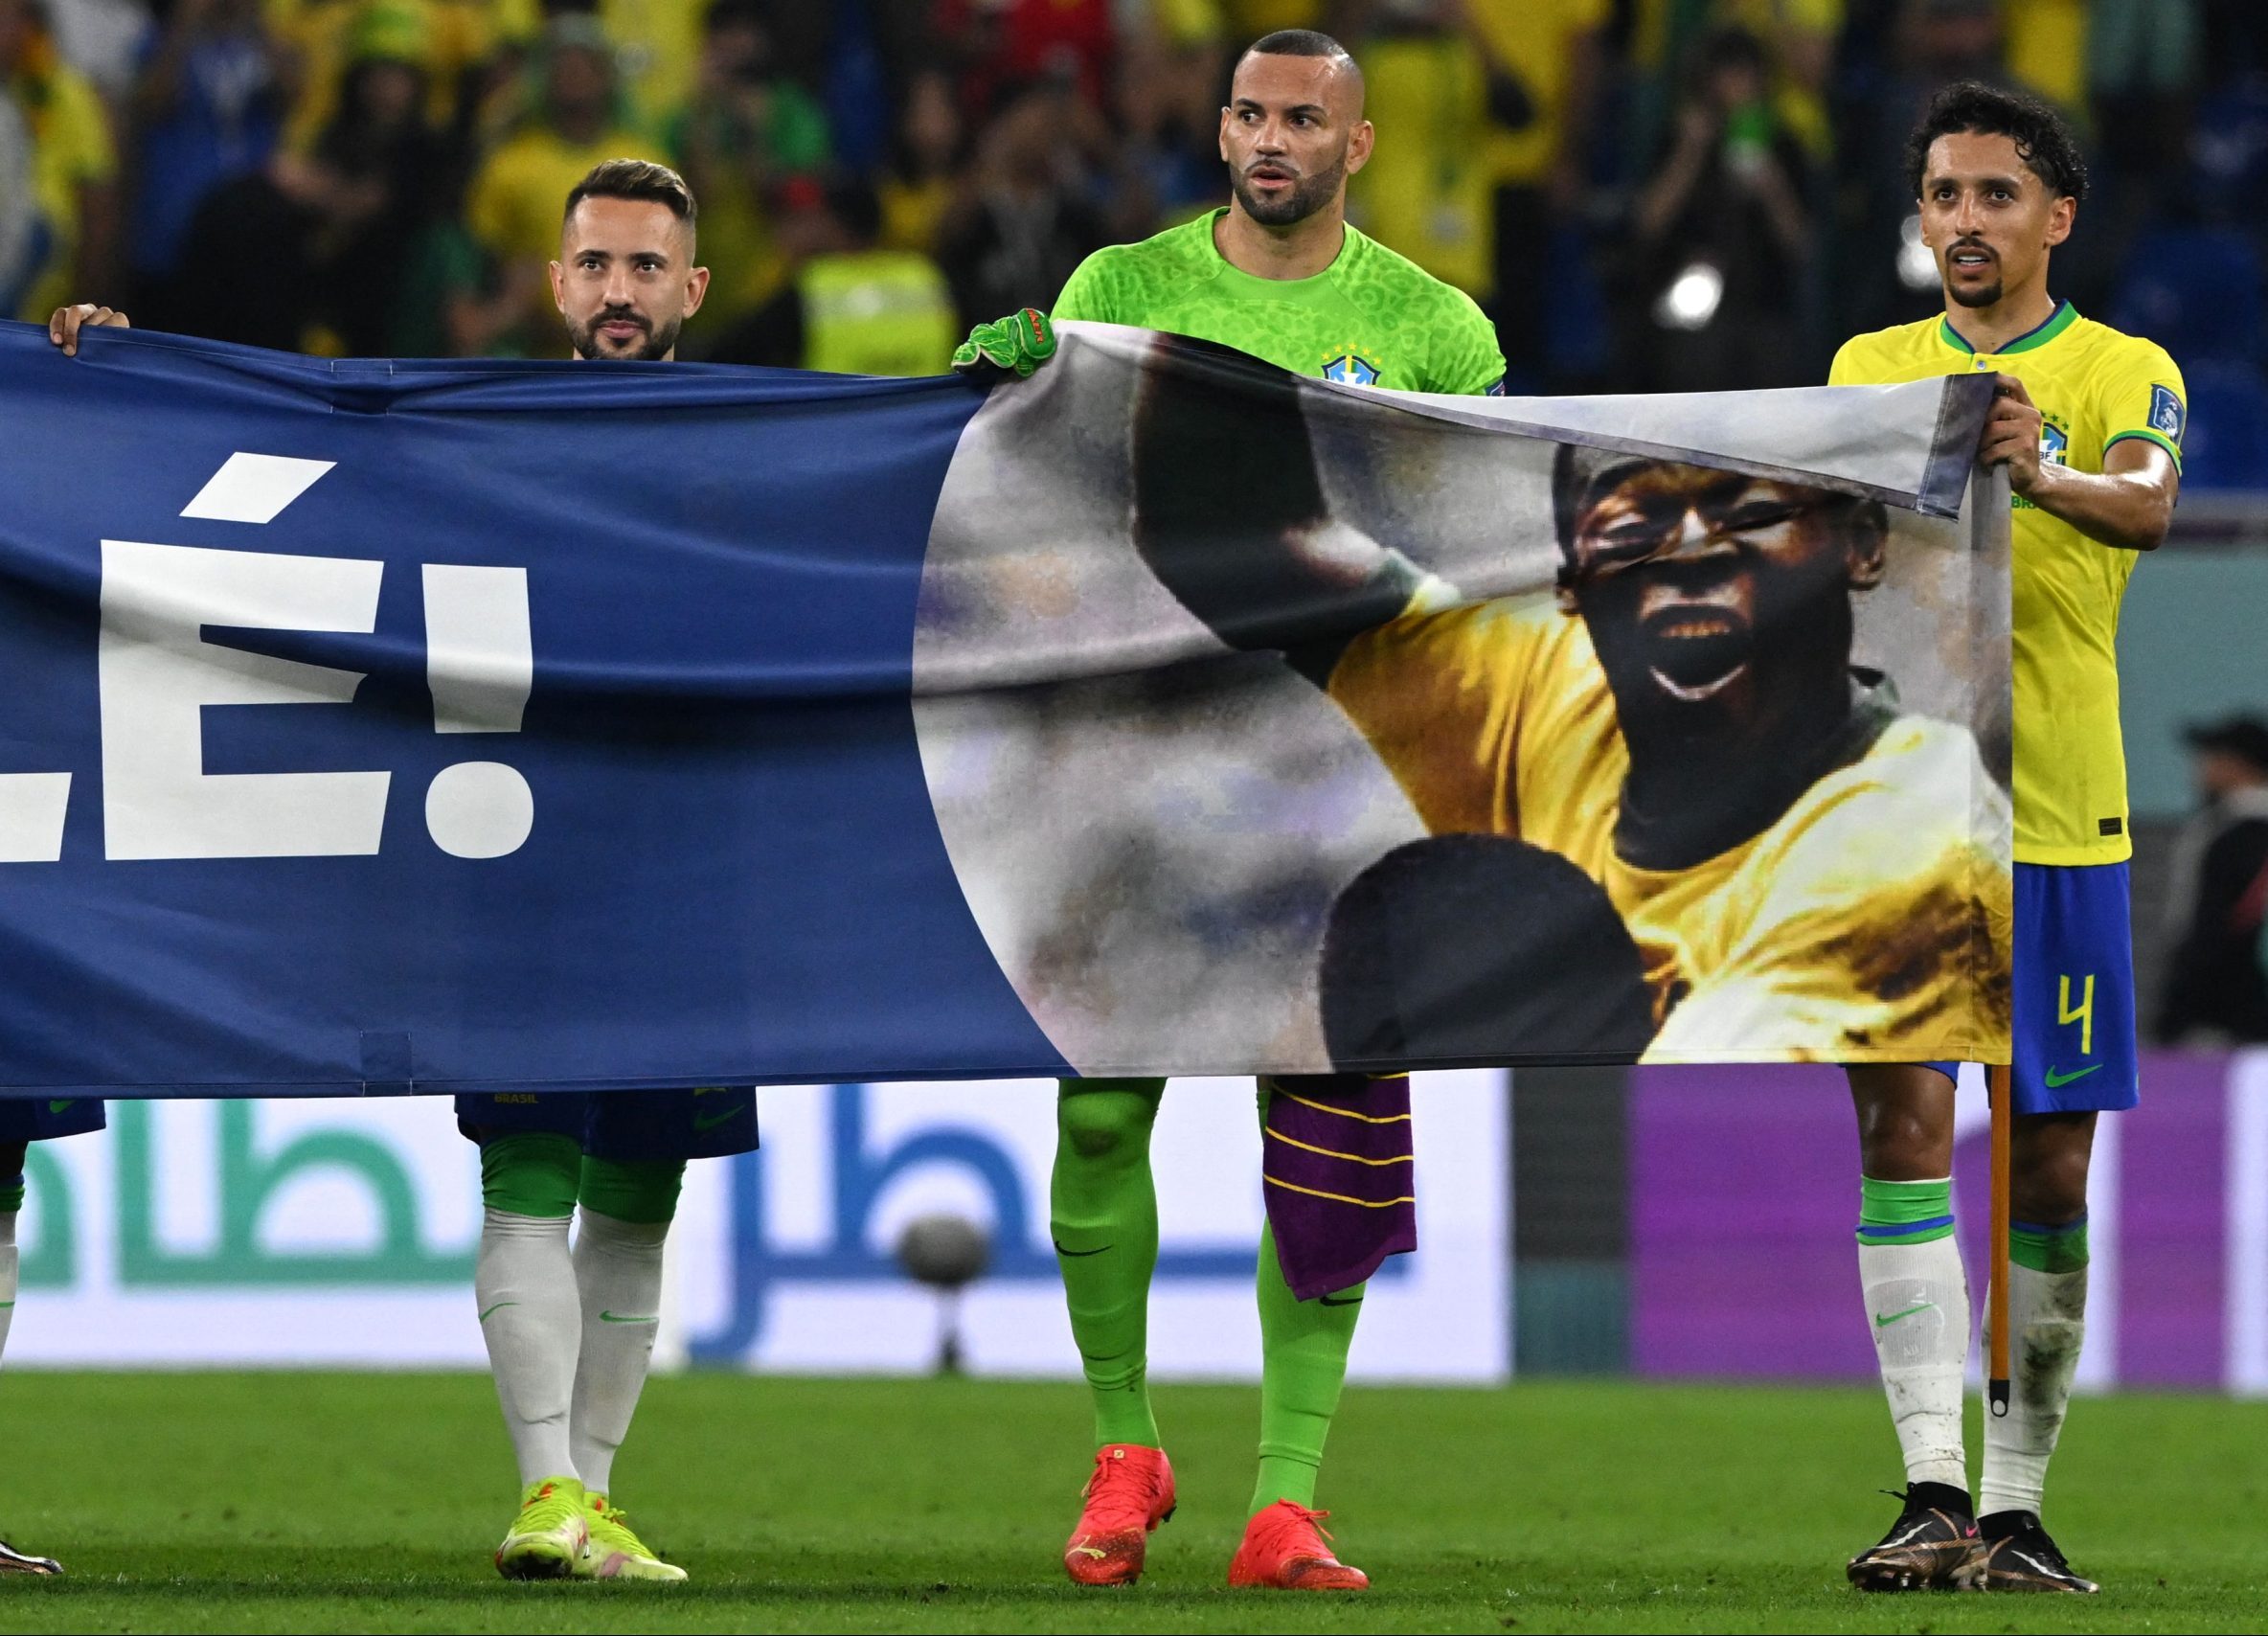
(336, 1502)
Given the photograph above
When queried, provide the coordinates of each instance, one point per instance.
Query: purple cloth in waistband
(1340, 1177)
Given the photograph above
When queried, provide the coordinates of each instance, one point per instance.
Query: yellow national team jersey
(1846, 932)
(2094, 386)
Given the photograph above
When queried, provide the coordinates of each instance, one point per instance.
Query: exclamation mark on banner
(479, 663)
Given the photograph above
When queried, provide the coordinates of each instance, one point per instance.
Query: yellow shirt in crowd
(520, 195)
(2094, 386)
(71, 149)
(1535, 41)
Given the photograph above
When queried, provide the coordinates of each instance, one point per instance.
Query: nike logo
(617, 1318)
(1341, 1301)
(483, 1317)
(1075, 1255)
(58, 1107)
(2055, 1078)
(710, 1122)
(1884, 1323)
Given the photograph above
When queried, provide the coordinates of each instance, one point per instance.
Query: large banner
(376, 727)
(340, 1232)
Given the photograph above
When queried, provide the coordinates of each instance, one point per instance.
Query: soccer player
(570, 1331)
(1277, 274)
(1793, 855)
(2088, 425)
(24, 1120)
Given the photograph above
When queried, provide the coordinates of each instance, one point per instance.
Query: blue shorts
(627, 1125)
(2074, 1040)
(42, 1119)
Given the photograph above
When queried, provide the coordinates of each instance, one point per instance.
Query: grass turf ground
(338, 1502)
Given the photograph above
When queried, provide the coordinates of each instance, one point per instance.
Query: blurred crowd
(1644, 195)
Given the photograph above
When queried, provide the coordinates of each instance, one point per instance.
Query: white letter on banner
(157, 673)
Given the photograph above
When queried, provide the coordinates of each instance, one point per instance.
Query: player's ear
(1359, 144)
(559, 287)
(696, 287)
(2060, 215)
(1867, 535)
(1226, 114)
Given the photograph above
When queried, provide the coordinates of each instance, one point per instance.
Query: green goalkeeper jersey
(1371, 318)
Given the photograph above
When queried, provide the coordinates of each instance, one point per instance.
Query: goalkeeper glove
(1017, 344)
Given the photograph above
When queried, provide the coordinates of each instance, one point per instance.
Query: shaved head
(1335, 65)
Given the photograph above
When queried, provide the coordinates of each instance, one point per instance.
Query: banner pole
(1996, 1381)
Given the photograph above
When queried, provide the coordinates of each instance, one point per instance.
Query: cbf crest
(2054, 443)
(1352, 367)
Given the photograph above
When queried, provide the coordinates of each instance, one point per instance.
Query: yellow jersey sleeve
(1438, 696)
(2142, 396)
(1495, 719)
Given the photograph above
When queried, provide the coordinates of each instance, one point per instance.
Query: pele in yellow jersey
(2088, 423)
(1669, 769)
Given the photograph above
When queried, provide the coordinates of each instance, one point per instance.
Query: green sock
(641, 1191)
(1104, 1211)
(1302, 1365)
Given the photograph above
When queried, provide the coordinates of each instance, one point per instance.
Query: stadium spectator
(1026, 220)
(1009, 43)
(1721, 238)
(1427, 193)
(312, 251)
(72, 166)
(918, 184)
(849, 306)
(209, 108)
(748, 129)
(513, 211)
(1543, 63)
(2217, 992)
(1166, 157)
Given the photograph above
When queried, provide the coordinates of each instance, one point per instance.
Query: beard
(1987, 295)
(657, 344)
(1308, 195)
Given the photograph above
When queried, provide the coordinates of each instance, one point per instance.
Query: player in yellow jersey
(2089, 425)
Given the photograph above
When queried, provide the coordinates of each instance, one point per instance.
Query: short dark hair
(1298, 42)
(640, 179)
(2043, 137)
(1305, 42)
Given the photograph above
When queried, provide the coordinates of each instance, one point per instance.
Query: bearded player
(2087, 425)
(570, 1331)
(1277, 274)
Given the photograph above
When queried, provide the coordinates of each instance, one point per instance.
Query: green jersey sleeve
(1466, 358)
(1087, 293)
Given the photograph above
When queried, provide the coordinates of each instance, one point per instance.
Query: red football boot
(1284, 1550)
(1129, 1495)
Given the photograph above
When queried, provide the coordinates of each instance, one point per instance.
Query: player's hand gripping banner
(385, 726)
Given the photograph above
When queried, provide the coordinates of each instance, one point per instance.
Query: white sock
(531, 1319)
(2048, 1324)
(618, 1272)
(1923, 1348)
(7, 1268)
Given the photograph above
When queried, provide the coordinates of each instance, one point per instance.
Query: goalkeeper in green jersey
(1280, 275)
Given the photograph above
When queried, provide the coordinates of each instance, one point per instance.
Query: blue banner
(379, 726)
